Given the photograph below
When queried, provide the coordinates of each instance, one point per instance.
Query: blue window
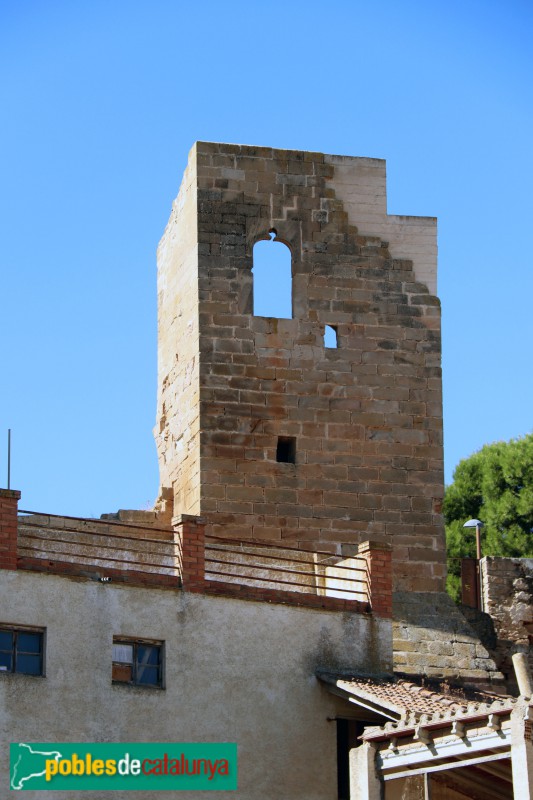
(138, 663)
(21, 650)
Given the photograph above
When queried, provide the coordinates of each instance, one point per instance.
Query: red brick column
(8, 528)
(190, 539)
(378, 559)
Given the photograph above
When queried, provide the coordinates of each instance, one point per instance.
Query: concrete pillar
(8, 528)
(190, 541)
(364, 781)
(522, 753)
(523, 674)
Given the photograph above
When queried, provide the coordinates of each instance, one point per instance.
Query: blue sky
(100, 104)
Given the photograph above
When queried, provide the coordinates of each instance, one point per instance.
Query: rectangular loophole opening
(286, 450)
(331, 337)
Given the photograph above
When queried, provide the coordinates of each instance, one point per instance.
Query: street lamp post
(477, 524)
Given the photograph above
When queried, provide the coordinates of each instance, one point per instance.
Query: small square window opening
(286, 450)
(138, 663)
(21, 651)
(331, 337)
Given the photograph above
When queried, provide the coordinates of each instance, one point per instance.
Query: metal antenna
(9, 458)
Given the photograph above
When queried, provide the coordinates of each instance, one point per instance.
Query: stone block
(354, 409)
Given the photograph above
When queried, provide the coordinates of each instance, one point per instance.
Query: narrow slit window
(286, 450)
(331, 337)
(272, 276)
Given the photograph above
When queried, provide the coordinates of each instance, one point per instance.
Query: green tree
(494, 485)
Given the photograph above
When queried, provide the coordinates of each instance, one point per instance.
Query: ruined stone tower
(264, 431)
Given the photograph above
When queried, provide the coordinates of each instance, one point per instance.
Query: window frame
(135, 644)
(16, 651)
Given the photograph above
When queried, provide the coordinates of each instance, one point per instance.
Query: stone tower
(264, 431)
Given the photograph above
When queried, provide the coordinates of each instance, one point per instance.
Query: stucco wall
(235, 671)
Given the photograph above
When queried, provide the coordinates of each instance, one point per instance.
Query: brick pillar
(190, 540)
(378, 559)
(8, 528)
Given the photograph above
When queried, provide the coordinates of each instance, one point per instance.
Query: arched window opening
(272, 273)
(331, 337)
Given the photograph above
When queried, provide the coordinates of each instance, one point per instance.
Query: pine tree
(494, 485)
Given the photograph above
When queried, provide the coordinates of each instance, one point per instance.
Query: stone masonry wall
(508, 598)
(367, 416)
(432, 637)
(177, 432)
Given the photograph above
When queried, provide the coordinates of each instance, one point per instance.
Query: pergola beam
(495, 740)
(466, 762)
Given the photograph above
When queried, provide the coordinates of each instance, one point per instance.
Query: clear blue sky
(100, 103)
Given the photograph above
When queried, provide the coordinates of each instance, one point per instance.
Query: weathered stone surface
(432, 637)
(508, 598)
(366, 416)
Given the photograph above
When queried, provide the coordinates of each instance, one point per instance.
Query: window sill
(142, 687)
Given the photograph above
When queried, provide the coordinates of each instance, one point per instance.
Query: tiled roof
(403, 696)
(409, 702)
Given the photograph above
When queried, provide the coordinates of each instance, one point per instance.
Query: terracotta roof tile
(406, 697)
(413, 703)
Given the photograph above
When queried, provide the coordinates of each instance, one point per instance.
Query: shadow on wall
(431, 636)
